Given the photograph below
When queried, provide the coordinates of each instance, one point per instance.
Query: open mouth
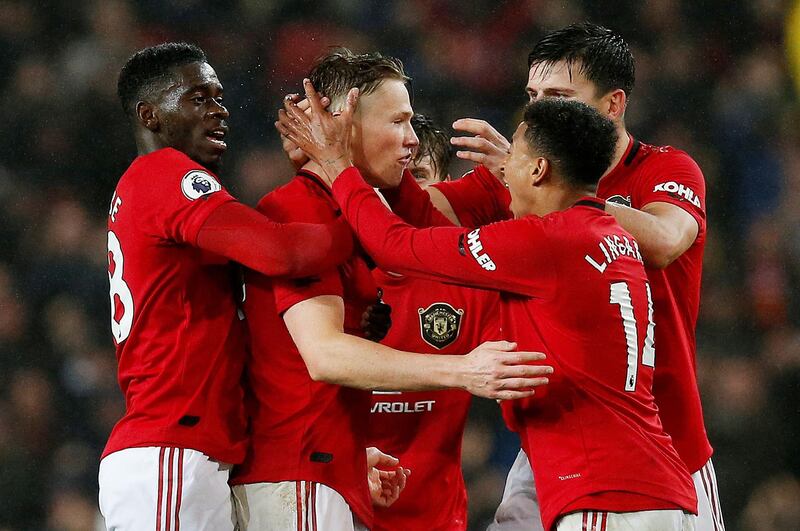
(405, 161)
(217, 136)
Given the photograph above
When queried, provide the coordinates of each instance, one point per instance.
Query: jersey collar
(627, 157)
(316, 179)
(591, 201)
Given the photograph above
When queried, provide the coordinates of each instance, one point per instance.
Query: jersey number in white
(621, 295)
(120, 293)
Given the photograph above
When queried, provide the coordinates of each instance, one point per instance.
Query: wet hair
(149, 69)
(577, 140)
(602, 56)
(433, 142)
(337, 72)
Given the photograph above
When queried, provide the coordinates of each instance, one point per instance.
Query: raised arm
(449, 254)
(507, 256)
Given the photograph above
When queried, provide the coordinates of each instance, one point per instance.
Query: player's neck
(557, 198)
(623, 141)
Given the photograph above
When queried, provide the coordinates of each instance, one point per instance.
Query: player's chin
(213, 161)
(392, 178)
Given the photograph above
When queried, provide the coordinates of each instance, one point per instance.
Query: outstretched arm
(243, 235)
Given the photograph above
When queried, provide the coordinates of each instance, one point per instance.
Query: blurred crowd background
(712, 79)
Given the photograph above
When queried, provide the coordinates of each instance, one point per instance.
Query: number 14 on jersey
(621, 295)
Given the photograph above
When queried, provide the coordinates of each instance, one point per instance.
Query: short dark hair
(149, 68)
(340, 70)
(577, 140)
(433, 142)
(602, 55)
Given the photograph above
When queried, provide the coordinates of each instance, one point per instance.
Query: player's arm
(243, 235)
(332, 356)
(671, 189)
(478, 198)
(664, 231)
(512, 256)
(413, 204)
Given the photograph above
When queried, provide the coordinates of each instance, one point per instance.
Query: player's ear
(145, 113)
(539, 171)
(615, 103)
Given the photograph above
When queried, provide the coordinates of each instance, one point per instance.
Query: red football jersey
(648, 174)
(582, 297)
(424, 429)
(180, 344)
(302, 429)
(644, 175)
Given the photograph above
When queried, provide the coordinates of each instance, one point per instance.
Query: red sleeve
(413, 204)
(673, 177)
(298, 203)
(507, 256)
(478, 198)
(241, 234)
(183, 193)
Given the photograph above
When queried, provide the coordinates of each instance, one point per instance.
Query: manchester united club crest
(439, 324)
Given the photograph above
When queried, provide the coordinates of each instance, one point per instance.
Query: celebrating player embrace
(309, 372)
(574, 285)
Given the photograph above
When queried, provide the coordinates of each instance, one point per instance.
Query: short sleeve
(182, 194)
(478, 198)
(672, 177)
(297, 202)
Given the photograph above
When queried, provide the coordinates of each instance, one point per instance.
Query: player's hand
(323, 136)
(385, 476)
(495, 370)
(377, 319)
(295, 154)
(486, 146)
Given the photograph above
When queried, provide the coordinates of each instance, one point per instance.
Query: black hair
(602, 55)
(337, 72)
(433, 142)
(148, 69)
(577, 140)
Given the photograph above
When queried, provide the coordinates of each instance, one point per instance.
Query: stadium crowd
(711, 79)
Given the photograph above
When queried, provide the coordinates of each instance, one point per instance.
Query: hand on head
(296, 155)
(324, 137)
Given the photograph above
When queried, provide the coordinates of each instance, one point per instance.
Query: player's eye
(199, 99)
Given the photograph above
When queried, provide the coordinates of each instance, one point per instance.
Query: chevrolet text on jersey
(615, 246)
(403, 407)
(475, 247)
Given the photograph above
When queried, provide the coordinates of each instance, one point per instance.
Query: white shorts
(667, 520)
(293, 506)
(164, 489)
(709, 513)
(519, 508)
